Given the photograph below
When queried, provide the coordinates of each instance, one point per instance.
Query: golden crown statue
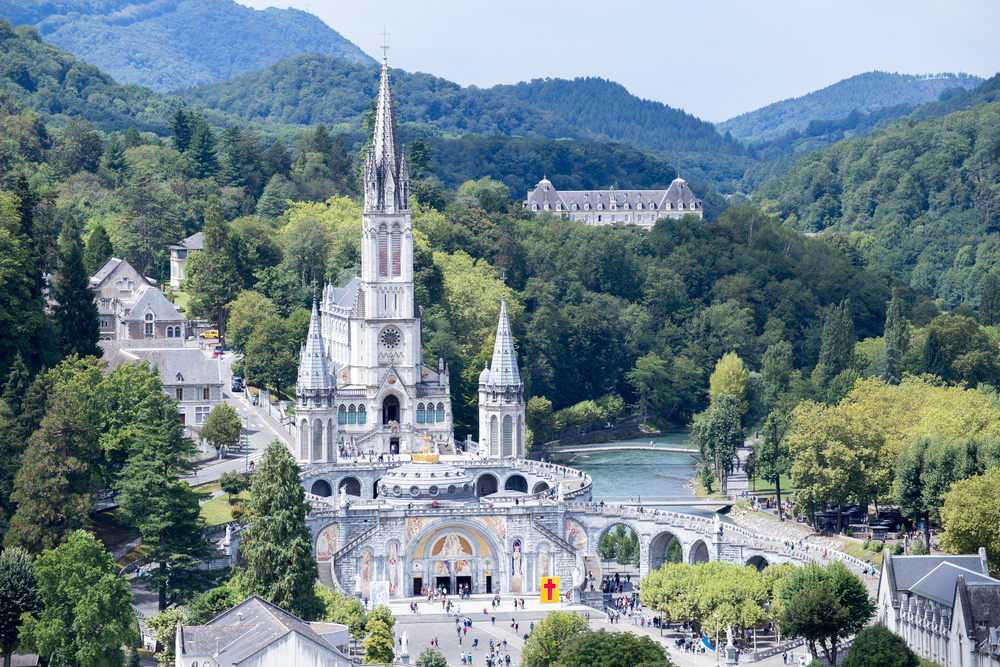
(425, 456)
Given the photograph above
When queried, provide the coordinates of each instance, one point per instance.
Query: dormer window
(574, 207)
(545, 206)
(534, 207)
(546, 188)
(586, 207)
(600, 207)
(179, 377)
(626, 207)
(652, 207)
(148, 328)
(558, 207)
(638, 206)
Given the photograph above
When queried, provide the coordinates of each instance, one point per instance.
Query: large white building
(362, 380)
(615, 207)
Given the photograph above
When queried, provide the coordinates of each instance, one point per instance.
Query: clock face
(391, 338)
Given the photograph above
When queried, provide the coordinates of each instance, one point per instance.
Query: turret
(315, 411)
(387, 175)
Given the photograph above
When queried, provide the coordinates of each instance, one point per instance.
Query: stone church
(363, 385)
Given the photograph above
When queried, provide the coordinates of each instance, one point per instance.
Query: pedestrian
(493, 621)
(784, 657)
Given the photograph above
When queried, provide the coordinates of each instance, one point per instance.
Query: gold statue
(426, 456)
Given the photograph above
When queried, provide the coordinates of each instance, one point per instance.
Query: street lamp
(716, 637)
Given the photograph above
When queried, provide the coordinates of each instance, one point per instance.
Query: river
(650, 475)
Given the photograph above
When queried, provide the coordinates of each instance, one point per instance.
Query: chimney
(239, 616)
(217, 647)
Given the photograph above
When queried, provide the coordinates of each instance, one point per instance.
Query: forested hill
(921, 199)
(167, 44)
(608, 109)
(864, 93)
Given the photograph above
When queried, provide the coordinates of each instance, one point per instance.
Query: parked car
(211, 333)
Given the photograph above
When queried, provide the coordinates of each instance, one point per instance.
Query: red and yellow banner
(550, 589)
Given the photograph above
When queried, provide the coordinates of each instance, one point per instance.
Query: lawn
(207, 488)
(181, 301)
(763, 488)
(219, 510)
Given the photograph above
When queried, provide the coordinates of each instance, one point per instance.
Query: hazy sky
(712, 58)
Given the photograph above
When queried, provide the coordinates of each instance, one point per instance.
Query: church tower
(501, 397)
(315, 411)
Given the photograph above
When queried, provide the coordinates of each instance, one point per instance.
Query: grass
(859, 551)
(219, 510)
(107, 529)
(763, 488)
(208, 488)
(181, 301)
(139, 552)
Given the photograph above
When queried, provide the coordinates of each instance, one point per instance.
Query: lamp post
(716, 637)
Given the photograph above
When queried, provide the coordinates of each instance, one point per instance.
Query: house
(946, 608)
(130, 307)
(257, 633)
(186, 373)
(610, 207)
(179, 255)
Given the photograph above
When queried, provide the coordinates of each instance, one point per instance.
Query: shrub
(849, 532)
(877, 547)
(919, 549)
(897, 550)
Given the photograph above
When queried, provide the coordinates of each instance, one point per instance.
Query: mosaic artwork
(576, 534)
(326, 544)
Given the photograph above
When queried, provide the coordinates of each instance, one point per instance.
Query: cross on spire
(503, 279)
(385, 45)
(314, 288)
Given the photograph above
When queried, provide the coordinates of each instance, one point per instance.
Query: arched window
(342, 415)
(362, 415)
(440, 411)
(397, 249)
(317, 440)
(149, 324)
(352, 416)
(494, 438)
(508, 436)
(304, 438)
(383, 251)
(420, 413)
(170, 332)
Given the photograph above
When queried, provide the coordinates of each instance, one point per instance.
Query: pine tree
(272, 202)
(277, 545)
(933, 361)
(891, 367)
(163, 508)
(14, 435)
(418, 157)
(75, 310)
(989, 302)
(54, 487)
(321, 143)
(277, 161)
(209, 275)
(837, 347)
(180, 128)
(340, 160)
(114, 158)
(201, 152)
(22, 315)
(132, 137)
(231, 167)
(98, 250)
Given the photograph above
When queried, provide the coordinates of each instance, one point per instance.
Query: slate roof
(342, 296)
(679, 192)
(979, 602)
(193, 242)
(152, 300)
(902, 572)
(313, 370)
(177, 365)
(247, 628)
(109, 267)
(503, 371)
(939, 583)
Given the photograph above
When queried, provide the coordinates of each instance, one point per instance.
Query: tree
(164, 627)
(87, 614)
(201, 153)
(837, 344)
(545, 644)
(54, 487)
(418, 158)
(379, 644)
(969, 517)
(223, 426)
(245, 314)
(910, 487)
(772, 458)
(897, 328)
(75, 310)
(98, 250)
(113, 159)
(18, 595)
(343, 610)
(203, 607)
(277, 545)
(232, 483)
(729, 379)
(82, 147)
(180, 130)
(649, 377)
(431, 658)
(538, 418)
(877, 646)
(989, 301)
(132, 137)
(273, 200)
(824, 605)
(209, 274)
(613, 649)
(719, 434)
(22, 308)
(268, 354)
(164, 509)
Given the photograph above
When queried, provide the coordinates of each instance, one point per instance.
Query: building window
(362, 414)
(206, 394)
(420, 413)
(440, 412)
(342, 415)
(638, 217)
(545, 206)
(626, 218)
(534, 207)
(574, 207)
(180, 394)
(599, 218)
(613, 218)
(352, 416)
(383, 252)
(397, 249)
(200, 413)
(586, 207)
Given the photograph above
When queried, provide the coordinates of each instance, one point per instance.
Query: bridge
(615, 447)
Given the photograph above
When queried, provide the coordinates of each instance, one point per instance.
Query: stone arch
(321, 488)
(351, 484)
(758, 562)
(331, 447)
(317, 440)
(540, 486)
(665, 547)
(392, 408)
(699, 553)
(483, 542)
(375, 488)
(610, 528)
(487, 484)
(516, 483)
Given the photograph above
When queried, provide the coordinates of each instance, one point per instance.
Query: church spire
(387, 177)
(504, 369)
(313, 373)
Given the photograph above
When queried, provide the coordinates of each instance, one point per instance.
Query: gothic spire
(504, 369)
(313, 373)
(387, 178)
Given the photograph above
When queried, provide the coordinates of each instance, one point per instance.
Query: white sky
(712, 58)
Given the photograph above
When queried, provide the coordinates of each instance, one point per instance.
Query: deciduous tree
(877, 646)
(969, 517)
(551, 634)
(613, 649)
(223, 426)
